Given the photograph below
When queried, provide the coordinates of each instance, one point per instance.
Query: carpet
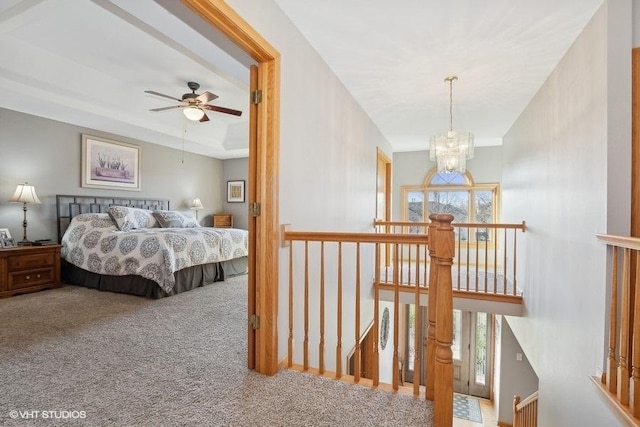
(466, 408)
(79, 357)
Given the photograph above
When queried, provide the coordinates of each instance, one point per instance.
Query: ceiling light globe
(193, 113)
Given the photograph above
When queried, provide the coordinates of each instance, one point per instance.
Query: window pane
(415, 205)
(481, 347)
(448, 178)
(411, 336)
(484, 206)
(457, 335)
(455, 203)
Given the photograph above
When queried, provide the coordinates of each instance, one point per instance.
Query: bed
(141, 247)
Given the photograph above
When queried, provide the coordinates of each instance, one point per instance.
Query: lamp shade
(25, 193)
(196, 204)
(193, 113)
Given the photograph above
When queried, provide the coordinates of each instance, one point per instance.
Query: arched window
(453, 193)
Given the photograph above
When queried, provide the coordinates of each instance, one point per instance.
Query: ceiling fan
(194, 105)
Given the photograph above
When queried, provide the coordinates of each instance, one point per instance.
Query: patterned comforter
(94, 243)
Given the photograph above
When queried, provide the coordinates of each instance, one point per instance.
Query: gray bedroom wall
(47, 154)
(236, 170)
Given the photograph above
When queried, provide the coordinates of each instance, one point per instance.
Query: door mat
(466, 408)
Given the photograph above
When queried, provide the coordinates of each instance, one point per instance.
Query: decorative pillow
(131, 218)
(174, 219)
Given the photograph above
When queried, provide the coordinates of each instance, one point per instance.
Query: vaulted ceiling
(88, 62)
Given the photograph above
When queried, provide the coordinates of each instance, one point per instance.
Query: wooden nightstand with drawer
(29, 269)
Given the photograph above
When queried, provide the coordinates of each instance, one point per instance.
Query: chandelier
(451, 149)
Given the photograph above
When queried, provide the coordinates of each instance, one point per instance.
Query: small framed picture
(235, 191)
(4, 233)
(7, 243)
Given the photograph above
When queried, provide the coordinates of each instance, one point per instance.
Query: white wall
(327, 160)
(47, 154)
(566, 171)
(517, 377)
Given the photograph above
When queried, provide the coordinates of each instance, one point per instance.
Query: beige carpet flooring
(80, 357)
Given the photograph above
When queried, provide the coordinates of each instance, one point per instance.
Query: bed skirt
(186, 279)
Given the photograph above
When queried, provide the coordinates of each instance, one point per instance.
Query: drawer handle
(38, 276)
(28, 277)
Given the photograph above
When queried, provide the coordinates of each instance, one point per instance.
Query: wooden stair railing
(485, 254)
(323, 290)
(525, 412)
(620, 384)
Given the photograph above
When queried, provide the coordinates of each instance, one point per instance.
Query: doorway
(262, 183)
(472, 350)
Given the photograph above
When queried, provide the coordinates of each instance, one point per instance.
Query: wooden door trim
(635, 142)
(263, 174)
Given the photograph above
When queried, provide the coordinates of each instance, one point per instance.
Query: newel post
(443, 402)
(431, 310)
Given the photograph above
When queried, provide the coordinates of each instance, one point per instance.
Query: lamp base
(25, 243)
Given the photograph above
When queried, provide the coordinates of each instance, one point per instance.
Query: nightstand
(28, 269)
(223, 220)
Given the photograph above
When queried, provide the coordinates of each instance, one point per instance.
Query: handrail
(485, 256)
(619, 241)
(525, 412)
(621, 381)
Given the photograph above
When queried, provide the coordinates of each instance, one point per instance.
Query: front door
(472, 339)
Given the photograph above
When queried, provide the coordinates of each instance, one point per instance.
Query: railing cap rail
(332, 236)
(619, 241)
(520, 226)
(527, 400)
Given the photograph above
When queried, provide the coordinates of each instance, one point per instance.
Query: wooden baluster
(516, 414)
(623, 368)
(431, 311)
(495, 259)
(515, 281)
(504, 263)
(376, 316)
(290, 348)
(468, 260)
(305, 345)
(486, 260)
(339, 315)
(321, 345)
(477, 264)
(634, 399)
(612, 364)
(396, 318)
(443, 404)
(417, 329)
(356, 360)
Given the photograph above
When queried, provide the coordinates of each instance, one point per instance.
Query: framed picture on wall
(235, 191)
(109, 164)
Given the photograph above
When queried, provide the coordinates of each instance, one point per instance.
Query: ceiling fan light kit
(193, 113)
(451, 149)
(194, 105)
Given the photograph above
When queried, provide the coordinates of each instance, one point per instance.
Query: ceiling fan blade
(162, 95)
(204, 118)
(166, 108)
(222, 110)
(205, 97)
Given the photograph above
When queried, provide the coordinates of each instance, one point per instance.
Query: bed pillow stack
(128, 219)
(174, 219)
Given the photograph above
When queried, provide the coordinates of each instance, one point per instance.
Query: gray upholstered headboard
(69, 206)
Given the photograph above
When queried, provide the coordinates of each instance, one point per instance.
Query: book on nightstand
(44, 242)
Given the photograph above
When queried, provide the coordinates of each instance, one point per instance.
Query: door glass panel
(457, 335)
(411, 316)
(481, 348)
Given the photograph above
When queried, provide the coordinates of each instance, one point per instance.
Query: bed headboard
(69, 206)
